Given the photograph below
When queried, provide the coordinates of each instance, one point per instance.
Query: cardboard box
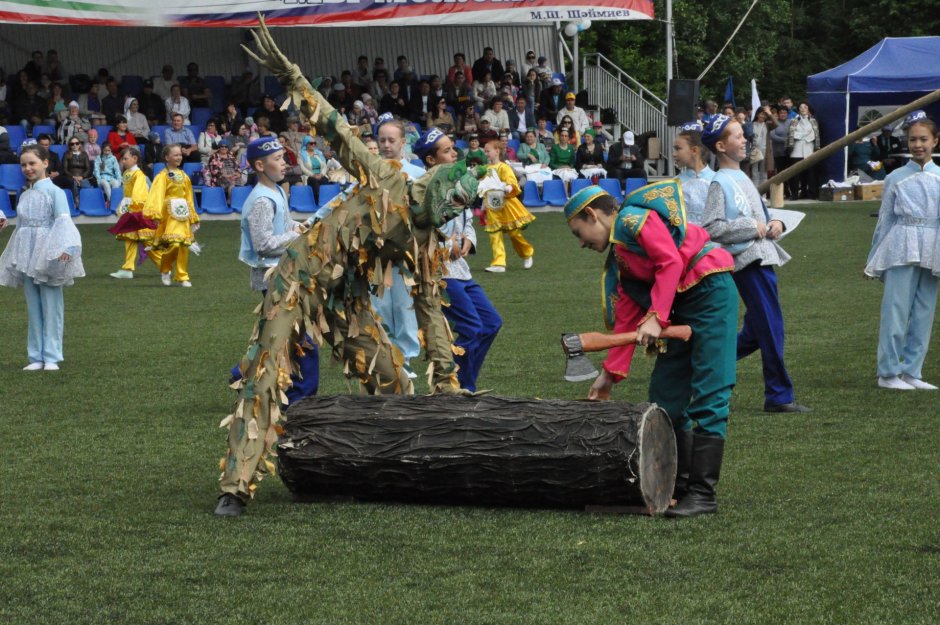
(870, 191)
(828, 194)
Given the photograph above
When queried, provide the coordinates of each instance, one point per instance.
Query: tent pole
(845, 156)
(668, 43)
(847, 140)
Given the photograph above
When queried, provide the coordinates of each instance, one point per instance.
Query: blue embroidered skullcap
(581, 199)
(913, 118)
(425, 143)
(384, 118)
(694, 126)
(714, 126)
(260, 148)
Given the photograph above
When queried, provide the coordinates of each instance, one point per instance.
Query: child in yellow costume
(510, 218)
(170, 203)
(136, 189)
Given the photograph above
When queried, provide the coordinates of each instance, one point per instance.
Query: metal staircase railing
(637, 108)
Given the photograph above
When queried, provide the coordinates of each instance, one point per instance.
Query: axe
(579, 369)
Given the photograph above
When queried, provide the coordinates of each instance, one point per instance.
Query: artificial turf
(110, 466)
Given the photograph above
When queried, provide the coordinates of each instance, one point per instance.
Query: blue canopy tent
(892, 73)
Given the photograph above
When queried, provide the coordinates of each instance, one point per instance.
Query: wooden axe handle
(598, 342)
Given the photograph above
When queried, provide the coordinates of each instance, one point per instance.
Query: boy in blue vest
(266, 231)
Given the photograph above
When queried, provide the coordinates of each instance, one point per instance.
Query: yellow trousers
(523, 248)
(130, 256)
(177, 254)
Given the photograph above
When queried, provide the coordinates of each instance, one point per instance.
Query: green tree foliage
(782, 42)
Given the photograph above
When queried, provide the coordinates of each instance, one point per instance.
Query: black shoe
(789, 407)
(229, 505)
(707, 454)
(683, 460)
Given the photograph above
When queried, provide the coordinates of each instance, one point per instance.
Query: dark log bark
(484, 451)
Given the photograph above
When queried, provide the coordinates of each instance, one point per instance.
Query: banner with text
(219, 13)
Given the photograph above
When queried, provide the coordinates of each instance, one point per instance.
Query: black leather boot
(683, 460)
(707, 453)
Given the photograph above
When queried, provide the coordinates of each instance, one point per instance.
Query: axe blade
(577, 367)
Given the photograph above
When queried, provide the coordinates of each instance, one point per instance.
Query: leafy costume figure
(322, 285)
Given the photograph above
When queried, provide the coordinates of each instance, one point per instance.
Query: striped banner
(242, 13)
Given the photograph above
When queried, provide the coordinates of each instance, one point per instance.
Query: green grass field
(109, 473)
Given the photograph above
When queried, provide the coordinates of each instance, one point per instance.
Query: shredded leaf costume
(321, 285)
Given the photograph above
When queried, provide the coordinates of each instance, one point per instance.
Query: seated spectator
(407, 85)
(468, 122)
(137, 124)
(402, 68)
(625, 159)
(393, 102)
(230, 118)
(507, 89)
(245, 91)
(263, 128)
(238, 138)
(422, 104)
(529, 62)
(484, 90)
(101, 83)
(380, 85)
(7, 155)
(92, 147)
(54, 171)
(107, 172)
(277, 122)
(312, 165)
(340, 98)
(179, 133)
(513, 72)
(534, 158)
(520, 118)
(378, 65)
(368, 109)
(545, 72)
(566, 124)
(506, 153)
(543, 134)
(552, 99)
(488, 63)
(4, 107)
(120, 136)
(295, 137)
(34, 66)
(531, 90)
(458, 93)
(54, 69)
(195, 89)
(475, 154)
(863, 157)
(589, 158)
(497, 117)
(112, 104)
(221, 170)
(73, 124)
(561, 158)
(291, 159)
(57, 108)
(208, 141)
(152, 153)
(437, 88)
(460, 65)
(163, 84)
(442, 118)
(357, 116)
(362, 76)
(177, 104)
(152, 106)
(352, 91)
(29, 109)
(76, 168)
(486, 133)
(577, 115)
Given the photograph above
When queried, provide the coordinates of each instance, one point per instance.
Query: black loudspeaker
(683, 96)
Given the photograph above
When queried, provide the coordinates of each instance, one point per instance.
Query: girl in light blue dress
(688, 152)
(905, 255)
(42, 256)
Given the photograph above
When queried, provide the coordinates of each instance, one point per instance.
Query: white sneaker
(895, 383)
(165, 279)
(496, 269)
(527, 263)
(33, 366)
(916, 383)
(51, 366)
(186, 283)
(123, 274)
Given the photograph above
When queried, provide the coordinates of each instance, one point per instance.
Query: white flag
(755, 99)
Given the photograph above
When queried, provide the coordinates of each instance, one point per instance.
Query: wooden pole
(848, 139)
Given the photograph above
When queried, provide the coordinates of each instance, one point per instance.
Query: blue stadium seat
(103, 131)
(11, 177)
(513, 143)
(132, 85)
(193, 129)
(160, 129)
(239, 195)
(71, 200)
(579, 183)
(41, 129)
(217, 88)
(213, 201)
(91, 202)
(157, 168)
(301, 198)
(6, 208)
(460, 144)
(612, 186)
(530, 195)
(553, 192)
(632, 184)
(272, 87)
(17, 136)
(192, 169)
(59, 150)
(117, 195)
(200, 116)
(327, 192)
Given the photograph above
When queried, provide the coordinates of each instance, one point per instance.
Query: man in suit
(520, 118)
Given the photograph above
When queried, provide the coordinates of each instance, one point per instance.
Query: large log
(485, 450)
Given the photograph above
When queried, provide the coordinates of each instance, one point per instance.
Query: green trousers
(693, 381)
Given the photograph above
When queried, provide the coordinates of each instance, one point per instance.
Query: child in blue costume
(266, 231)
(905, 254)
(660, 271)
(736, 218)
(695, 176)
(473, 316)
(42, 256)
